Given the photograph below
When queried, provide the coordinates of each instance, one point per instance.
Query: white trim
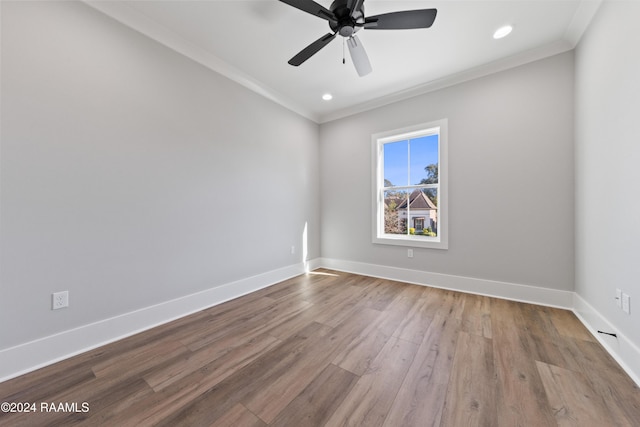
(27, 357)
(36, 354)
(130, 17)
(518, 59)
(437, 127)
(581, 19)
(125, 14)
(493, 288)
(623, 350)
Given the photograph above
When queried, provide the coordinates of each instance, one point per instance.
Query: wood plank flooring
(337, 349)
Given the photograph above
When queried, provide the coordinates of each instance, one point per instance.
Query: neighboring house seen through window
(410, 186)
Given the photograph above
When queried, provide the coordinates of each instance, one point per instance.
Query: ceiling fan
(346, 17)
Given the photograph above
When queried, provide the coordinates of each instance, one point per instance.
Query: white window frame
(378, 140)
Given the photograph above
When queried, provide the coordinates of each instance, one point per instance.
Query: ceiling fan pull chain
(343, 42)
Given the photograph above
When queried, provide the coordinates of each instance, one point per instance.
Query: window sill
(412, 241)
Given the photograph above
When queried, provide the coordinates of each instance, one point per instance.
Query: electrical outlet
(626, 302)
(293, 250)
(59, 300)
(619, 298)
(410, 253)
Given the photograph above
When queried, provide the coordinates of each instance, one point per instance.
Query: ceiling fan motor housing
(348, 23)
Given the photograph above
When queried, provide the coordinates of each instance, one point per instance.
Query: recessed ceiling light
(502, 32)
(327, 97)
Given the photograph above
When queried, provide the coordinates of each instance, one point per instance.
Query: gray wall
(131, 175)
(510, 178)
(608, 164)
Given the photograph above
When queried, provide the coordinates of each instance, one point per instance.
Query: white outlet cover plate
(60, 300)
(626, 302)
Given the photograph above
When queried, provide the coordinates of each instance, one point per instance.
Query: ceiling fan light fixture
(502, 32)
(327, 97)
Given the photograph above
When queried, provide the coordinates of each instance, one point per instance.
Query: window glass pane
(395, 211)
(396, 162)
(424, 160)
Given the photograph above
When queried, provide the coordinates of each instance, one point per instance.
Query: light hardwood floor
(331, 348)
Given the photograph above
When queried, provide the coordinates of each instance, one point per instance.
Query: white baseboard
(624, 351)
(36, 354)
(511, 291)
(621, 349)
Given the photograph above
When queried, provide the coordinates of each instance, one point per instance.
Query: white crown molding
(137, 21)
(581, 19)
(513, 61)
(132, 18)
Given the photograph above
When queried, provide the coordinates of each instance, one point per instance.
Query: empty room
(314, 213)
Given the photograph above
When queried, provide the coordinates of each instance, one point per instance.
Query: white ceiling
(251, 42)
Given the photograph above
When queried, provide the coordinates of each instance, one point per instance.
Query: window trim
(377, 184)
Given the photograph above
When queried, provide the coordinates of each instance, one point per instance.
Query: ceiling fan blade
(359, 56)
(313, 8)
(354, 6)
(312, 49)
(408, 19)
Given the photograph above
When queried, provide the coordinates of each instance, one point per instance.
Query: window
(410, 186)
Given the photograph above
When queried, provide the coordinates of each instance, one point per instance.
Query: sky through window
(421, 151)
